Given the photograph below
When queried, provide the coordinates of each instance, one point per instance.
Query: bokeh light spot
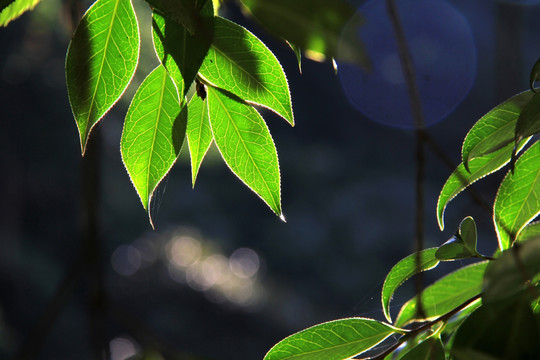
(443, 53)
(122, 349)
(126, 260)
(244, 263)
(184, 251)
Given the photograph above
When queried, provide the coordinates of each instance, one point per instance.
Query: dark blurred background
(222, 277)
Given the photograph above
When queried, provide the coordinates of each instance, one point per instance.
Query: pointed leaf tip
(282, 218)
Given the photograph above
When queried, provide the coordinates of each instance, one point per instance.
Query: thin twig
(418, 116)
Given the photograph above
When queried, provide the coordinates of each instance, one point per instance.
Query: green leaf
(199, 133)
(313, 26)
(334, 340)
(518, 199)
(244, 141)
(240, 63)
(528, 122)
(179, 51)
(514, 270)
(153, 134)
(498, 331)
(430, 349)
(535, 74)
(462, 244)
(529, 232)
(101, 61)
(185, 12)
(494, 130)
(460, 179)
(402, 271)
(445, 294)
(12, 9)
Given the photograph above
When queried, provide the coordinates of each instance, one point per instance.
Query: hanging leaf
(518, 199)
(153, 134)
(445, 294)
(334, 340)
(12, 9)
(494, 130)
(101, 61)
(430, 349)
(461, 178)
(528, 122)
(186, 13)
(316, 26)
(402, 271)
(178, 50)
(462, 244)
(198, 133)
(514, 270)
(245, 143)
(242, 64)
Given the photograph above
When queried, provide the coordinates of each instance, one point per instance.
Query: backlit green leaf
(100, 62)
(512, 271)
(185, 12)
(240, 63)
(244, 141)
(460, 179)
(334, 340)
(528, 122)
(494, 130)
(402, 271)
(153, 133)
(518, 198)
(462, 244)
(12, 9)
(430, 349)
(181, 52)
(315, 26)
(445, 294)
(198, 132)
(529, 232)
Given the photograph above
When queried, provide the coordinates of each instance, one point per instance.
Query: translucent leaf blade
(12, 9)
(494, 130)
(245, 144)
(430, 349)
(402, 271)
(461, 178)
(101, 61)
(528, 122)
(445, 294)
(518, 199)
(462, 244)
(153, 133)
(529, 232)
(180, 51)
(199, 133)
(240, 63)
(334, 340)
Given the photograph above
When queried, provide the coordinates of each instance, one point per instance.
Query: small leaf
(199, 133)
(518, 199)
(240, 63)
(101, 61)
(402, 271)
(514, 270)
(186, 13)
(245, 143)
(179, 51)
(529, 232)
(498, 331)
(445, 294)
(460, 179)
(430, 349)
(12, 9)
(535, 74)
(528, 122)
(313, 26)
(334, 340)
(462, 245)
(153, 134)
(494, 130)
